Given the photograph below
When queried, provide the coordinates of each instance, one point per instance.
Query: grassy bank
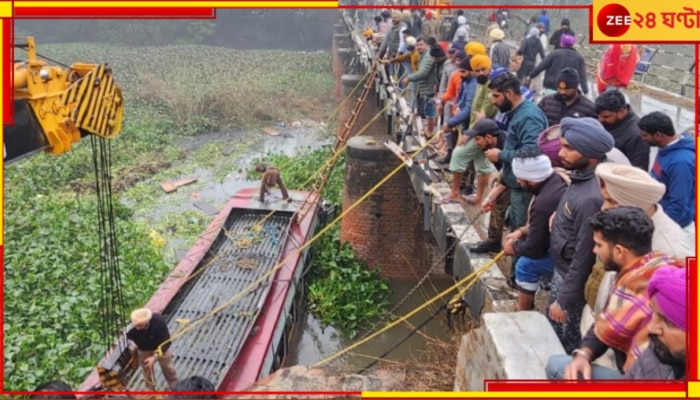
(171, 93)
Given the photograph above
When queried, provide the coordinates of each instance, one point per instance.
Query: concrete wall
(506, 346)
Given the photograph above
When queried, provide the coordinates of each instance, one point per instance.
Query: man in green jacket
(426, 82)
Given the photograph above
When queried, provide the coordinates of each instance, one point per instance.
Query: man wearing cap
(564, 29)
(393, 41)
(529, 49)
(486, 135)
(619, 119)
(584, 143)
(623, 185)
(499, 51)
(467, 91)
(568, 101)
(533, 171)
(664, 358)
(622, 239)
(453, 27)
(150, 331)
(430, 26)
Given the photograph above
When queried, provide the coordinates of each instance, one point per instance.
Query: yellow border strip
(537, 395)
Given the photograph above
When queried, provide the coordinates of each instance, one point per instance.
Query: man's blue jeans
(557, 364)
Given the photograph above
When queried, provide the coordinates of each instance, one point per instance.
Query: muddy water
(215, 191)
(316, 343)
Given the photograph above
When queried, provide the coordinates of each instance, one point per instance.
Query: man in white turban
(533, 171)
(149, 333)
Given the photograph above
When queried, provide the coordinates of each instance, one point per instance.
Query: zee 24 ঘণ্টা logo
(614, 20)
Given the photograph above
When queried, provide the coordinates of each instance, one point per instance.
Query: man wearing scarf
(624, 185)
(622, 238)
(664, 358)
(535, 174)
(584, 143)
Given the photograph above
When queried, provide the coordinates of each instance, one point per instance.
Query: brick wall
(386, 228)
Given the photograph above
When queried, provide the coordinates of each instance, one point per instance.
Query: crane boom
(55, 107)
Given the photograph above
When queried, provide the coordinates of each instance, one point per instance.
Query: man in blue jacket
(674, 167)
(544, 19)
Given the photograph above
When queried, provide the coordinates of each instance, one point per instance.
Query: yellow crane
(55, 107)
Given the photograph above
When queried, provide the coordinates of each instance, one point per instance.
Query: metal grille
(209, 349)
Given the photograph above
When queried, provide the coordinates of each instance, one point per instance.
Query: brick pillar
(386, 228)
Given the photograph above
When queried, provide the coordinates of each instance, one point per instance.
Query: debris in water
(247, 263)
(169, 187)
(206, 207)
(296, 124)
(270, 131)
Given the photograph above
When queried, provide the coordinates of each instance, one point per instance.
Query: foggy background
(299, 30)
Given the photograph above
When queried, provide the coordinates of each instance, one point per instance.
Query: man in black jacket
(564, 29)
(623, 124)
(568, 101)
(534, 173)
(150, 331)
(584, 144)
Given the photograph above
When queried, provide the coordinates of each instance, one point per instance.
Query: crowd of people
(590, 215)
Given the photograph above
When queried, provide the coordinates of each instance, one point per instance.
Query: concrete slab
(506, 346)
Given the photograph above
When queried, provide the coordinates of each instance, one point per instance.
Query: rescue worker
(271, 178)
(150, 331)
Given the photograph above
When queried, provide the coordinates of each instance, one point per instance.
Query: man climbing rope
(150, 331)
(271, 178)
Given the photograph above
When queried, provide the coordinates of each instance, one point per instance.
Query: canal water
(316, 342)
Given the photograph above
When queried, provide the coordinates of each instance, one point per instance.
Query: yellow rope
(308, 243)
(340, 151)
(472, 278)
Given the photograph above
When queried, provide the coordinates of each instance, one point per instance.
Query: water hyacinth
(51, 274)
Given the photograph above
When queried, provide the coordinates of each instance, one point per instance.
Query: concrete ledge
(491, 293)
(506, 346)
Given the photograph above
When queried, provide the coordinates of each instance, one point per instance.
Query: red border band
(8, 111)
(115, 12)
